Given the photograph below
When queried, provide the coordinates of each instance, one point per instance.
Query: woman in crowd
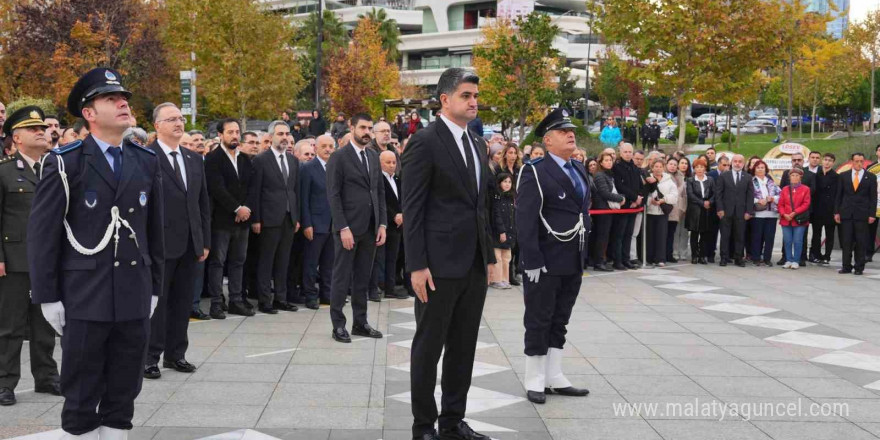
(662, 197)
(400, 128)
(593, 165)
(495, 152)
(537, 152)
(579, 155)
(677, 214)
(766, 195)
(750, 168)
(610, 134)
(510, 161)
(794, 201)
(605, 196)
(680, 248)
(414, 124)
(504, 228)
(700, 213)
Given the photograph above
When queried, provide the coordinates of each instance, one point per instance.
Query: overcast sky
(859, 8)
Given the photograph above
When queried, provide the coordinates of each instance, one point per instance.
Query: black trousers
(872, 238)
(602, 227)
(170, 321)
(829, 225)
(392, 247)
(853, 238)
(670, 238)
(351, 271)
(19, 317)
(275, 243)
(700, 241)
(733, 234)
(228, 248)
(102, 366)
(318, 259)
(656, 238)
(450, 319)
(712, 238)
(251, 284)
(622, 232)
(548, 309)
(296, 271)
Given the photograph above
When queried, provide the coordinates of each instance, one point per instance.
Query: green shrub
(728, 137)
(691, 134)
(44, 103)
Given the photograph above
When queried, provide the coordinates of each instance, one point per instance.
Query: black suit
(228, 189)
(273, 198)
(822, 212)
(855, 207)
(315, 212)
(187, 235)
(736, 200)
(357, 202)
(445, 230)
(393, 234)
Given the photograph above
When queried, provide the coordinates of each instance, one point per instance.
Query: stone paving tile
(813, 430)
(707, 430)
(601, 429)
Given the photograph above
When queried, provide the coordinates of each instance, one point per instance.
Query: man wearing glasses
(381, 142)
(809, 179)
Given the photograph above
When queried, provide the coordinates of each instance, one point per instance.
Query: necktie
(364, 162)
(176, 169)
(116, 152)
(855, 181)
(736, 178)
(469, 159)
(578, 187)
(284, 171)
(37, 169)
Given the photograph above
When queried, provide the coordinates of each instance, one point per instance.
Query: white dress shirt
(279, 158)
(170, 158)
(233, 158)
(390, 179)
(702, 185)
(456, 134)
(323, 163)
(357, 151)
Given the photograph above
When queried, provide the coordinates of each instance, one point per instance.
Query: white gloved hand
(535, 274)
(153, 301)
(54, 314)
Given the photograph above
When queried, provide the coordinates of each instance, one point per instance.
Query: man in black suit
(228, 172)
(629, 183)
(822, 215)
(273, 190)
(187, 240)
(871, 246)
(722, 165)
(736, 205)
(357, 206)
(315, 211)
(854, 210)
(809, 179)
(394, 231)
(446, 235)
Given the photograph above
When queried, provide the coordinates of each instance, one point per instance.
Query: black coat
(735, 200)
(392, 204)
(697, 217)
(228, 189)
(355, 197)
(269, 194)
(856, 204)
(823, 196)
(503, 220)
(628, 180)
(603, 182)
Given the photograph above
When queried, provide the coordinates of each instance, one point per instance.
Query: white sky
(858, 9)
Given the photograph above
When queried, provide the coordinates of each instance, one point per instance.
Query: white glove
(153, 301)
(535, 274)
(54, 314)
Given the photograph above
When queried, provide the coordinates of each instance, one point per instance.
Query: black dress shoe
(567, 391)
(536, 397)
(781, 262)
(247, 304)
(341, 335)
(297, 299)
(312, 304)
(514, 282)
(180, 365)
(723, 263)
(238, 308)
(857, 272)
(629, 265)
(284, 305)
(428, 436)
(603, 268)
(53, 388)
(705, 261)
(7, 397)
(740, 263)
(695, 260)
(217, 312)
(374, 297)
(199, 315)
(223, 304)
(267, 310)
(802, 263)
(619, 267)
(461, 432)
(366, 330)
(869, 259)
(672, 260)
(152, 372)
(844, 271)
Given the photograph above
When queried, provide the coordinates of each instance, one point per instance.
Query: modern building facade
(839, 9)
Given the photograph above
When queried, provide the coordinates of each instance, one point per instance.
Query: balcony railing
(390, 4)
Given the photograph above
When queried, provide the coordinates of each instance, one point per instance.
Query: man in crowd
(736, 205)
(274, 190)
(448, 250)
(315, 210)
(303, 151)
(228, 173)
(3, 116)
(390, 251)
(79, 127)
(357, 206)
(266, 141)
(379, 144)
(339, 128)
(722, 165)
(306, 151)
(871, 246)
(710, 155)
(250, 144)
(809, 180)
(187, 240)
(19, 175)
(100, 299)
(553, 261)
(854, 210)
(53, 130)
(628, 181)
(198, 142)
(822, 216)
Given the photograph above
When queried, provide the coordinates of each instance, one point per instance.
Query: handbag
(665, 207)
(613, 205)
(801, 218)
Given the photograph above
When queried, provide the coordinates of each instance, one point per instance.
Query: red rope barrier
(616, 211)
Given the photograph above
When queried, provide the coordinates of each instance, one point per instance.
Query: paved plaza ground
(792, 355)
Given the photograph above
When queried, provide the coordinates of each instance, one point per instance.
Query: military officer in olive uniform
(553, 222)
(96, 253)
(19, 175)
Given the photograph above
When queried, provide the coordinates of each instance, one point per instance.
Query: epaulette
(67, 148)
(141, 147)
(6, 159)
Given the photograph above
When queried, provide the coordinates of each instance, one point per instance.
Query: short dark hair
(453, 77)
(831, 156)
(221, 125)
(815, 152)
(50, 117)
(642, 152)
(856, 154)
(723, 159)
(78, 125)
(710, 148)
(249, 133)
(360, 117)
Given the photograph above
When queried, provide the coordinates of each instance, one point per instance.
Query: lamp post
(318, 55)
(589, 47)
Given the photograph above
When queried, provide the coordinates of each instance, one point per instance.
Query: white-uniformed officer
(553, 223)
(95, 252)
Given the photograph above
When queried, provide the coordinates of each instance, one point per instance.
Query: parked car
(758, 126)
